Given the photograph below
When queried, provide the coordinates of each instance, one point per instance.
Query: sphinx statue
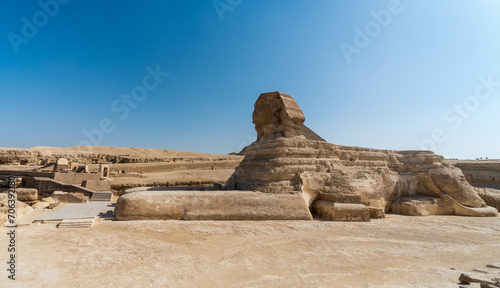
(286, 160)
(291, 173)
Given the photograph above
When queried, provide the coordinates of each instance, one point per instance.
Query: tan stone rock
(40, 205)
(211, 205)
(22, 209)
(288, 165)
(27, 194)
(490, 196)
(66, 197)
(283, 161)
(54, 204)
(49, 200)
(420, 206)
(466, 279)
(376, 213)
(341, 211)
(97, 185)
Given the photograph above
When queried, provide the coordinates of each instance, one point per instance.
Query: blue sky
(414, 75)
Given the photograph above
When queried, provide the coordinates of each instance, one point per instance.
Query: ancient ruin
(334, 182)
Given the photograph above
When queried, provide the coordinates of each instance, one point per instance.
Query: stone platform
(77, 211)
(211, 205)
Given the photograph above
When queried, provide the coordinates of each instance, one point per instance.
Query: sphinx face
(266, 107)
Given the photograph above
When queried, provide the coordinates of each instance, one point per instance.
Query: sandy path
(395, 252)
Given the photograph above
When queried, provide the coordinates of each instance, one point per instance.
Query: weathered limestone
(104, 170)
(4, 183)
(277, 115)
(61, 164)
(341, 211)
(376, 213)
(21, 209)
(296, 174)
(17, 156)
(210, 205)
(40, 205)
(96, 154)
(97, 185)
(490, 196)
(53, 203)
(27, 194)
(283, 161)
(466, 279)
(69, 197)
(480, 173)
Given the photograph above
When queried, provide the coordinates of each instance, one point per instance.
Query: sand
(398, 251)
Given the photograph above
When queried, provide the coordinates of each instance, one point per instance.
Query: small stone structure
(104, 170)
(74, 166)
(61, 164)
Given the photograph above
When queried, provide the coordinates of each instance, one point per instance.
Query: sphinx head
(276, 115)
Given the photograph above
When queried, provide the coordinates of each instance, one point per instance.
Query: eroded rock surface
(288, 172)
(283, 161)
(210, 205)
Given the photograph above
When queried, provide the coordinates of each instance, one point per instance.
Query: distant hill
(91, 154)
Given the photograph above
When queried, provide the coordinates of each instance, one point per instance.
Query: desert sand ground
(398, 251)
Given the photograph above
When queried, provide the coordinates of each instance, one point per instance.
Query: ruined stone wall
(481, 174)
(174, 166)
(40, 156)
(76, 178)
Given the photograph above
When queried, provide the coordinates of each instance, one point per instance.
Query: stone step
(341, 211)
(77, 223)
(101, 196)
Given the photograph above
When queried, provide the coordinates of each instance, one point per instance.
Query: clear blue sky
(401, 86)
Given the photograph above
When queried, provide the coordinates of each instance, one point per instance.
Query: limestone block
(40, 205)
(66, 197)
(54, 204)
(341, 211)
(340, 198)
(490, 196)
(284, 161)
(420, 206)
(211, 205)
(376, 213)
(97, 185)
(27, 194)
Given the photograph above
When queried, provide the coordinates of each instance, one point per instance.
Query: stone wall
(174, 166)
(482, 173)
(71, 177)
